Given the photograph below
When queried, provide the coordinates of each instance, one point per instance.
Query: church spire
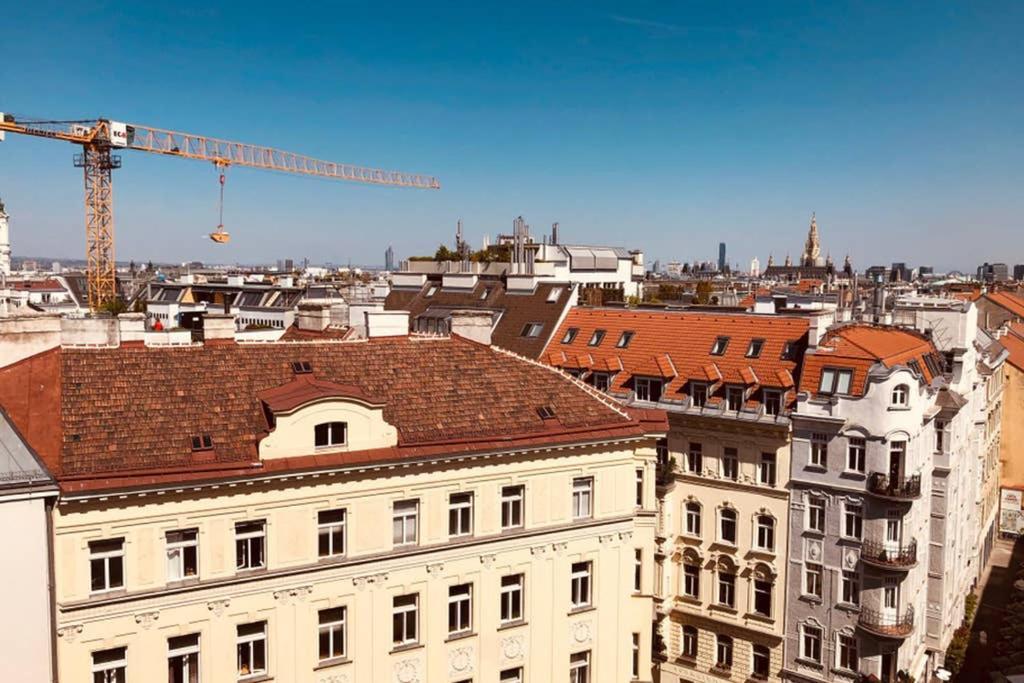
(812, 248)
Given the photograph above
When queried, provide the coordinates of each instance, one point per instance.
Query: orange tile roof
(1013, 342)
(684, 340)
(1007, 300)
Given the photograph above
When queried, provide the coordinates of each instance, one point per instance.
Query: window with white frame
(816, 514)
(765, 537)
(579, 667)
(251, 647)
(723, 651)
(727, 526)
(331, 633)
(856, 449)
(600, 380)
(819, 450)
(532, 329)
(182, 554)
(330, 531)
(110, 666)
(511, 675)
(691, 580)
(763, 597)
(734, 398)
(405, 620)
(755, 347)
(570, 335)
(648, 388)
(772, 402)
(634, 666)
(582, 497)
(460, 609)
(846, 653)
(511, 598)
(720, 345)
(638, 569)
(328, 434)
(579, 585)
(813, 579)
(596, 338)
(853, 521)
(835, 381)
(726, 588)
(766, 471)
(730, 464)
(624, 339)
(688, 644)
(941, 435)
(106, 565)
(460, 514)
(699, 394)
(405, 522)
(761, 663)
(183, 659)
(695, 458)
(250, 544)
(891, 593)
(512, 507)
(900, 396)
(851, 587)
(810, 643)
(554, 293)
(692, 519)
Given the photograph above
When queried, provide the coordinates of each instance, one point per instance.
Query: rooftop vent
(546, 412)
(302, 367)
(202, 442)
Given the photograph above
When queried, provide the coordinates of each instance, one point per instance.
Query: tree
(703, 293)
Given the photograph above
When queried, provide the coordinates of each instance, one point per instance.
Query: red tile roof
(1013, 342)
(676, 345)
(126, 415)
(48, 285)
(1008, 300)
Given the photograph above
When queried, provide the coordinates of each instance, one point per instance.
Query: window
(638, 570)
(330, 531)
(940, 435)
(431, 291)
(106, 564)
(816, 514)
(582, 497)
(661, 451)
(639, 488)
(788, 351)
(648, 388)
(754, 350)
(819, 450)
(182, 554)
(720, 345)
(302, 367)
(405, 522)
(460, 609)
(460, 514)
(580, 585)
(553, 294)
(699, 394)
(835, 381)
(727, 526)
(730, 464)
(772, 402)
(330, 434)
(695, 458)
(723, 652)
(624, 339)
(915, 367)
(251, 645)
(331, 633)
(688, 647)
(810, 643)
(847, 653)
(596, 338)
(532, 330)
(813, 579)
(691, 581)
(763, 597)
(600, 380)
(900, 396)
(404, 621)
(634, 667)
(726, 588)
(762, 662)
(570, 335)
(511, 598)
(202, 442)
(183, 659)
(485, 293)
(250, 539)
(692, 519)
(891, 593)
(108, 666)
(855, 452)
(512, 507)
(851, 588)
(765, 533)
(853, 522)
(766, 472)
(579, 667)
(511, 675)
(734, 398)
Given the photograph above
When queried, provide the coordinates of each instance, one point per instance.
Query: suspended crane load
(99, 139)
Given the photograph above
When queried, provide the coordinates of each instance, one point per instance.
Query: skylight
(720, 345)
(570, 335)
(202, 442)
(624, 339)
(302, 367)
(754, 350)
(554, 294)
(546, 412)
(596, 338)
(532, 329)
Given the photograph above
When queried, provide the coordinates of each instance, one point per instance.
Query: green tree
(703, 293)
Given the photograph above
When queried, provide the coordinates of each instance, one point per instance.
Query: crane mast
(100, 137)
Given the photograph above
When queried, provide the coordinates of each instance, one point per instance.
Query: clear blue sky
(667, 126)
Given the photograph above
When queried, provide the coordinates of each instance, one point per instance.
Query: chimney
(218, 328)
(387, 323)
(315, 317)
(132, 328)
(818, 325)
(357, 317)
(88, 331)
(472, 325)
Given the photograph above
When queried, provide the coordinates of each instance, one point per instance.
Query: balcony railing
(887, 625)
(889, 555)
(903, 488)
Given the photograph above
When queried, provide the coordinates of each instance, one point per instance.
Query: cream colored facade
(296, 584)
(751, 498)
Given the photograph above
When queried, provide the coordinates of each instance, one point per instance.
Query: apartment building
(398, 508)
(1011, 453)
(728, 384)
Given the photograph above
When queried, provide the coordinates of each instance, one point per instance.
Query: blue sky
(668, 126)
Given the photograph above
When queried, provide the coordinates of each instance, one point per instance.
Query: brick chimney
(473, 325)
(218, 328)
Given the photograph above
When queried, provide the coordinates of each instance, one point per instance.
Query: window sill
(181, 583)
(330, 559)
(406, 647)
(511, 624)
(461, 635)
(810, 662)
(815, 468)
(851, 540)
(848, 607)
(814, 533)
(580, 610)
(813, 599)
(760, 618)
(688, 599)
(108, 593)
(687, 660)
(899, 408)
(329, 663)
(718, 607)
(255, 678)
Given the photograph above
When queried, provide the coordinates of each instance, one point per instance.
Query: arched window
(765, 532)
(727, 526)
(900, 395)
(688, 643)
(693, 519)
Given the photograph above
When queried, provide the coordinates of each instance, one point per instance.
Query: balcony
(887, 625)
(889, 555)
(881, 485)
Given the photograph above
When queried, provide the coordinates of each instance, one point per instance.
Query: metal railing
(891, 626)
(902, 488)
(886, 554)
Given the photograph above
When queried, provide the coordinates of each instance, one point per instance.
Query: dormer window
(302, 367)
(835, 381)
(532, 329)
(900, 396)
(202, 442)
(624, 339)
(596, 338)
(570, 335)
(719, 347)
(553, 294)
(328, 434)
(754, 350)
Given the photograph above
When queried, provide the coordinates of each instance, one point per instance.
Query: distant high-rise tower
(5, 242)
(755, 267)
(721, 257)
(389, 258)
(812, 248)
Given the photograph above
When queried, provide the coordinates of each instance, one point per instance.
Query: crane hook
(220, 235)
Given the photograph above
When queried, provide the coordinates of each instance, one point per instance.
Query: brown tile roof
(293, 333)
(516, 309)
(113, 416)
(1008, 300)
(48, 285)
(676, 346)
(1013, 342)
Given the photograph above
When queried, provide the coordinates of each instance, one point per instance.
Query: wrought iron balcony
(887, 625)
(882, 485)
(889, 555)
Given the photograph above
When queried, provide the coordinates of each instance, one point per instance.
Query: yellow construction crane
(100, 137)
